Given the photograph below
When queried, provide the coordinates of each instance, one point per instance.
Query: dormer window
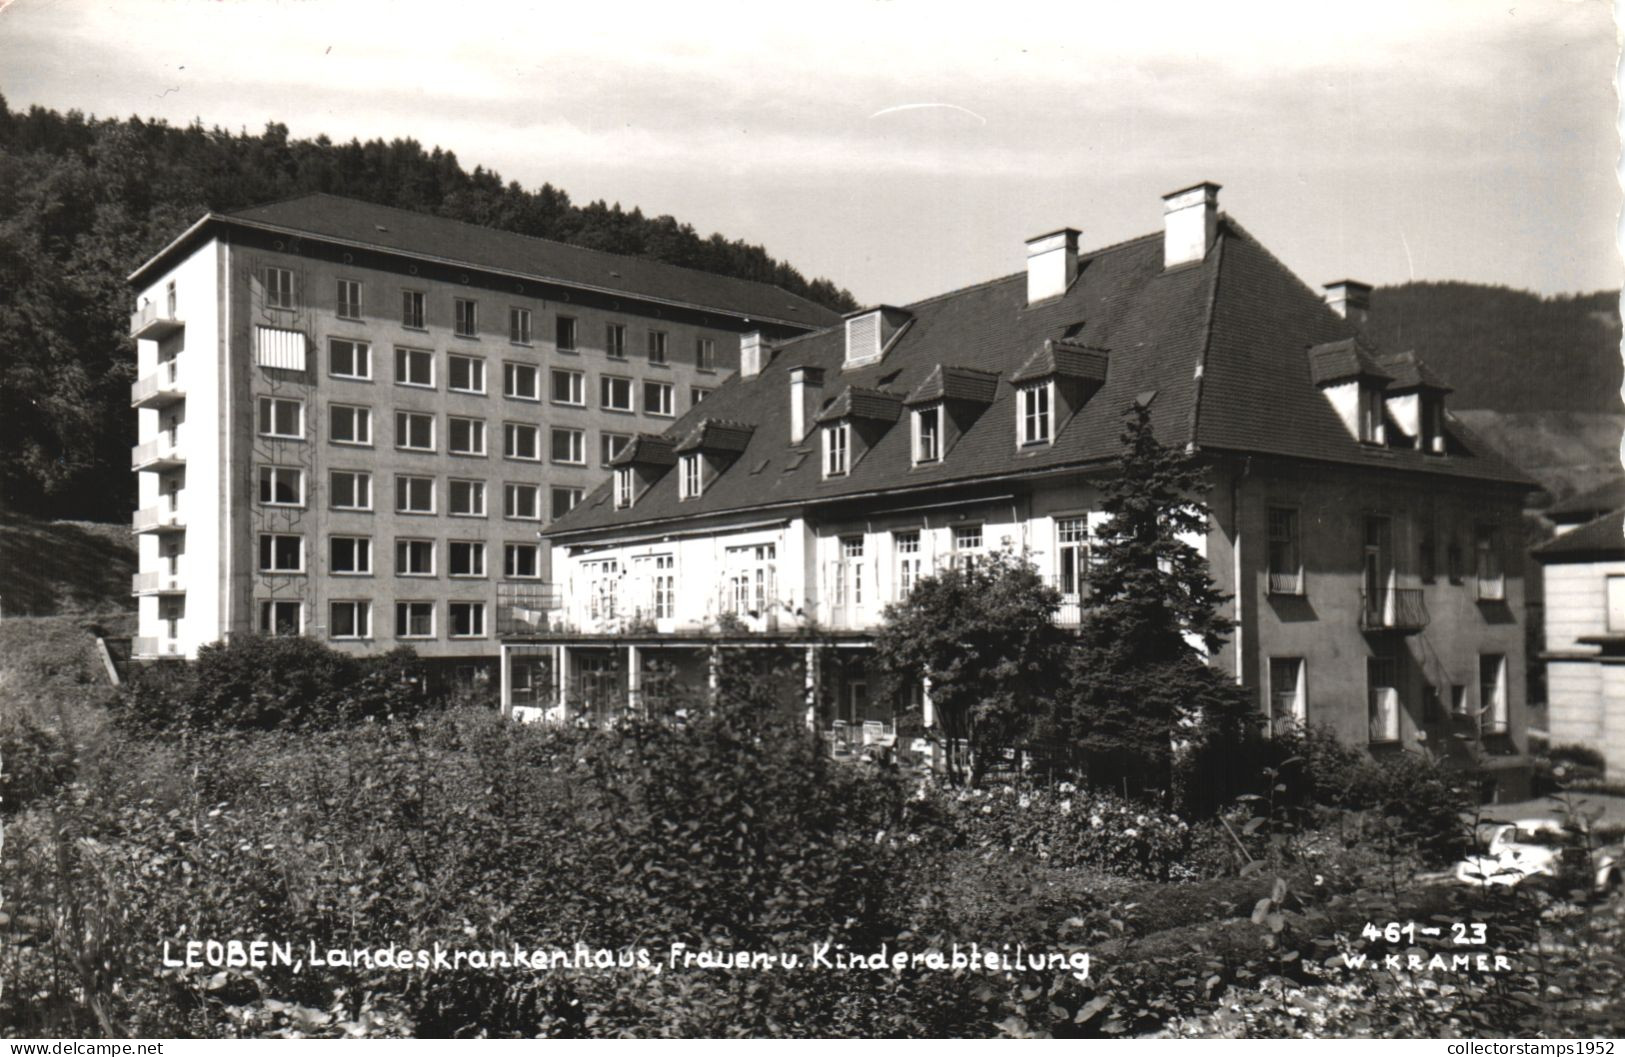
(869, 333)
(1371, 430)
(837, 445)
(623, 487)
(689, 480)
(1034, 407)
(927, 434)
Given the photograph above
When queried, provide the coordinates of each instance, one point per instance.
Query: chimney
(806, 395)
(1052, 264)
(1190, 221)
(751, 354)
(1349, 299)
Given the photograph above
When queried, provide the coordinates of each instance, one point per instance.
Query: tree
(1139, 685)
(984, 639)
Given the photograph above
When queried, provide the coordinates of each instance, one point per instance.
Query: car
(1543, 849)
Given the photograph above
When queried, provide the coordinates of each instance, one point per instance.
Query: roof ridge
(1017, 275)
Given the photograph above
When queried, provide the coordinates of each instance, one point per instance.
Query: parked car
(1540, 848)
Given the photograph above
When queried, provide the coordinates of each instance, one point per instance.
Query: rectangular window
(664, 584)
(906, 547)
(569, 446)
(414, 620)
(467, 620)
(465, 558)
(568, 387)
(657, 346)
(349, 299)
(466, 498)
(519, 381)
(414, 557)
(519, 441)
(1492, 693)
(350, 620)
(350, 489)
(278, 288)
(750, 587)
(615, 394)
(1487, 564)
(1453, 560)
(465, 436)
(414, 495)
(170, 297)
(280, 618)
(349, 359)
(414, 367)
(281, 418)
(1428, 557)
(698, 393)
(837, 437)
(519, 326)
(1382, 691)
(705, 354)
(1072, 557)
(412, 309)
(1288, 692)
(349, 425)
(414, 431)
(521, 561)
(281, 554)
(1458, 699)
(615, 340)
(1035, 414)
(690, 479)
(465, 374)
(1371, 424)
(1614, 592)
(611, 445)
(349, 555)
(282, 486)
(465, 318)
(564, 334)
(564, 500)
(967, 545)
(521, 502)
(928, 434)
(623, 487)
(849, 578)
(1285, 561)
(657, 399)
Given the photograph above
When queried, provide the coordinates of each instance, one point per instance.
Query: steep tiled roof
(423, 235)
(1602, 539)
(858, 402)
(648, 450)
(1222, 342)
(714, 434)
(1407, 371)
(1610, 496)
(956, 383)
(1342, 360)
(1066, 359)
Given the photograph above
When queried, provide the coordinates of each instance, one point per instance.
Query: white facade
(1585, 688)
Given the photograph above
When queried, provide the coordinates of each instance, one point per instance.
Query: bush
(38, 761)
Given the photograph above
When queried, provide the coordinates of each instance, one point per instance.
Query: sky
(903, 148)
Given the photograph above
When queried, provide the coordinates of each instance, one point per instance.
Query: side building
(353, 420)
(1367, 538)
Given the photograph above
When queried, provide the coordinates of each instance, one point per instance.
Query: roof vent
(870, 333)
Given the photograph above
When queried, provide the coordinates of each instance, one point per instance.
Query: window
(280, 618)
(657, 398)
(690, 479)
(1453, 560)
(564, 334)
(928, 434)
(849, 572)
(349, 425)
(467, 620)
(465, 318)
(564, 500)
(170, 298)
(282, 486)
(705, 354)
(698, 393)
(837, 437)
(906, 546)
(569, 387)
(281, 418)
(465, 374)
(1071, 556)
(1458, 699)
(1428, 557)
(414, 557)
(1289, 703)
(603, 577)
(1432, 704)
(349, 359)
(663, 585)
(350, 489)
(657, 346)
(569, 446)
(414, 367)
(623, 487)
(750, 577)
(1035, 414)
(1487, 564)
(281, 554)
(414, 431)
(412, 309)
(465, 436)
(349, 555)
(1382, 689)
(967, 545)
(615, 340)
(519, 441)
(414, 495)
(1492, 693)
(414, 620)
(1614, 592)
(465, 558)
(1285, 563)
(1371, 426)
(520, 501)
(521, 561)
(519, 326)
(615, 394)
(519, 381)
(611, 445)
(349, 299)
(278, 288)
(467, 498)
(350, 620)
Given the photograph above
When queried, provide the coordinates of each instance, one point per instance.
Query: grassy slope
(1566, 451)
(65, 567)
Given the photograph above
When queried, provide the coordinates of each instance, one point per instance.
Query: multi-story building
(1365, 535)
(354, 419)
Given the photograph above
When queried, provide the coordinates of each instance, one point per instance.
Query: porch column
(506, 696)
(711, 671)
(928, 709)
(562, 673)
(634, 678)
(812, 687)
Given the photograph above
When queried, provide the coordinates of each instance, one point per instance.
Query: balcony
(157, 519)
(1286, 583)
(1491, 588)
(160, 453)
(1398, 609)
(160, 388)
(527, 608)
(158, 582)
(152, 649)
(150, 322)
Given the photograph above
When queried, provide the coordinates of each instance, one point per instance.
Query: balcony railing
(153, 322)
(1286, 583)
(160, 388)
(526, 608)
(161, 453)
(158, 519)
(1492, 588)
(158, 582)
(1393, 609)
(150, 648)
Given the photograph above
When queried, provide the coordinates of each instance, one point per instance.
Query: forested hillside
(83, 201)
